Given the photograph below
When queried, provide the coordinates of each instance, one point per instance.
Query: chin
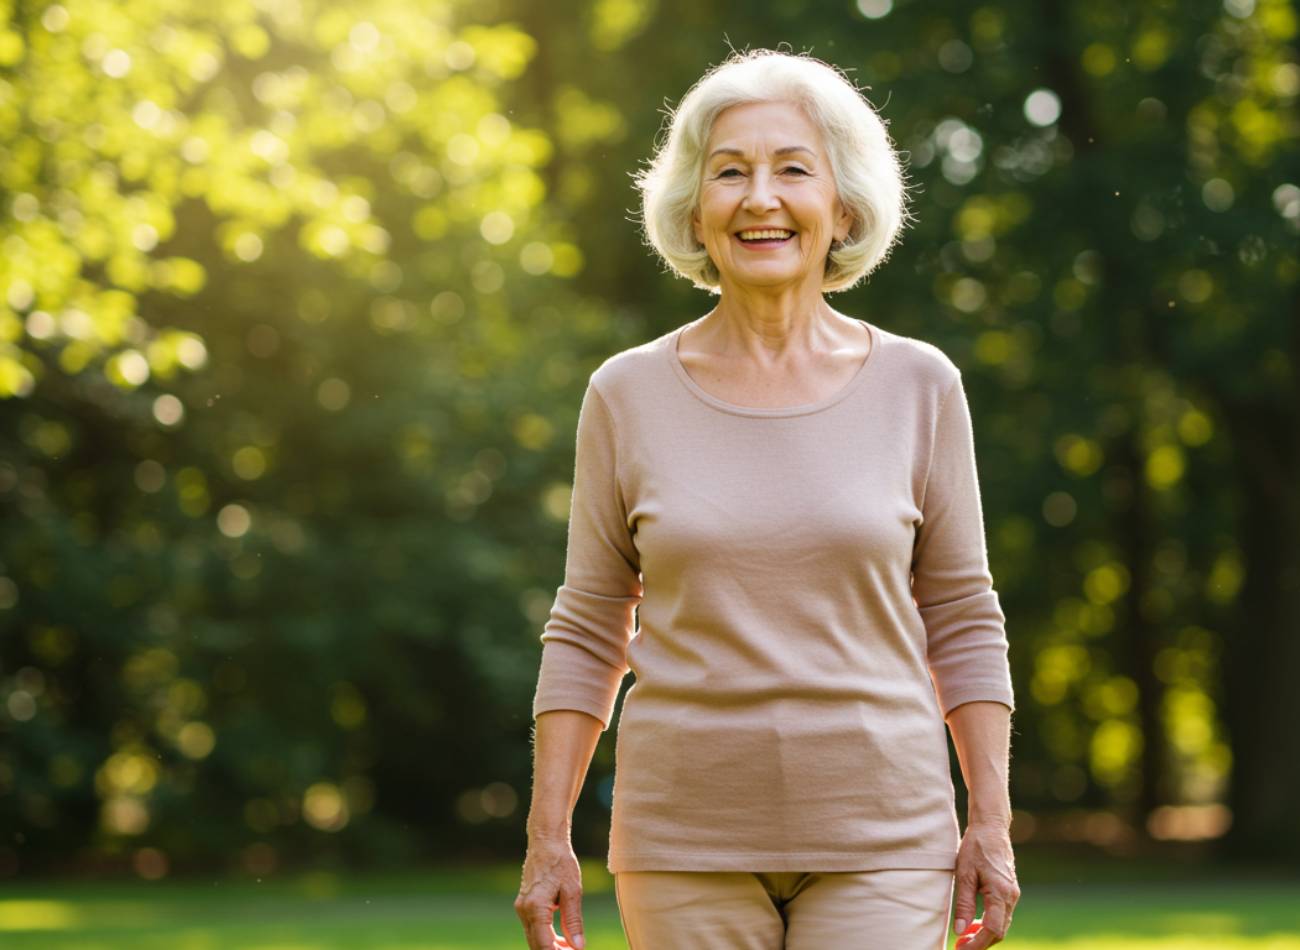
(762, 278)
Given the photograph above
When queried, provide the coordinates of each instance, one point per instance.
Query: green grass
(1075, 905)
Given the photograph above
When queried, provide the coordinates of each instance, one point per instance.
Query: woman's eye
(788, 168)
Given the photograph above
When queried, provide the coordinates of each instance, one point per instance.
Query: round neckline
(769, 412)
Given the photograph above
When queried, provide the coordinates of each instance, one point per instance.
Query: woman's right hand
(551, 879)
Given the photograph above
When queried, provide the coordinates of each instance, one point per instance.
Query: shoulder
(919, 360)
(632, 372)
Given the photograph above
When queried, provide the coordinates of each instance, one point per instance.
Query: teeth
(761, 235)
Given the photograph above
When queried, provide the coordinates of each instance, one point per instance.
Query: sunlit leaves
(234, 520)
(567, 259)
(497, 227)
(966, 294)
(249, 462)
(347, 706)
(533, 431)
(1151, 46)
(12, 47)
(127, 368)
(333, 393)
(16, 379)
(130, 771)
(1099, 59)
(1115, 747)
(615, 22)
(1078, 454)
(195, 740)
(1190, 714)
(994, 347)
(1110, 696)
(1254, 114)
(1056, 668)
(1190, 720)
(174, 122)
(192, 491)
(1225, 578)
(584, 121)
(249, 40)
(1164, 466)
(325, 807)
(47, 436)
(502, 52)
(1105, 583)
(991, 215)
(1277, 18)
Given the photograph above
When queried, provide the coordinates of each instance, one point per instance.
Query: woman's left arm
(966, 650)
(981, 731)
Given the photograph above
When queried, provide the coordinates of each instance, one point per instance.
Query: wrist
(549, 829)
(989, 819)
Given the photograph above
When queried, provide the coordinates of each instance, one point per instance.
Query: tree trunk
(1262, 651)
(1140, 639)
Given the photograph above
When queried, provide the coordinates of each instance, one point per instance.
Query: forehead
(765, 126)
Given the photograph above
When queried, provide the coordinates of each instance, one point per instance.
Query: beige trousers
(894, 909)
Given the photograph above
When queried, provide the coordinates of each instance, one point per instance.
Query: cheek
(713, 227)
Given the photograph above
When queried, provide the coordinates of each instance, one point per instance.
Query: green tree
(282, 310)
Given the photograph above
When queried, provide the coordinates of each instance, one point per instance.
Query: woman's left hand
(986, 865)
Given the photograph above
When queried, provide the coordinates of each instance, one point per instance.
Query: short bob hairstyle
(866, 169)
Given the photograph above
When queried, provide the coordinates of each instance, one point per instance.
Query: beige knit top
(802, 594)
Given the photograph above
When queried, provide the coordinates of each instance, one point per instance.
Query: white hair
(866, 169)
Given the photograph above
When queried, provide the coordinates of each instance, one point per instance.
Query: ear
(843, 223)
(695, 225)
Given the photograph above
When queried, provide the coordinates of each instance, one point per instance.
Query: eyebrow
(784, 150)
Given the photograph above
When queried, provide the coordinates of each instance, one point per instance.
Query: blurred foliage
(297, 302)
(270, 357)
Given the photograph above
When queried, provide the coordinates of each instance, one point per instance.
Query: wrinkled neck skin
(766, 324)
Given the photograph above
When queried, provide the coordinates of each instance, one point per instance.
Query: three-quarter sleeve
(951, 583)
(584, 643)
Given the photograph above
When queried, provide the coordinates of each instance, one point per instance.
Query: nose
(759, 194)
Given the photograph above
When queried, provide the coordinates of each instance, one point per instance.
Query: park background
(298, 299)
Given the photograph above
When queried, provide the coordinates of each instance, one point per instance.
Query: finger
(987, 935)
(541, 935)
(571, 915)
(964, 905)
(997, 911)
(984, 938)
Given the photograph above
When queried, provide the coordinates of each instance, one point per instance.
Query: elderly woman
(789, 496)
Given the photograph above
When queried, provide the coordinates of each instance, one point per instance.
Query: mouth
(764, 237)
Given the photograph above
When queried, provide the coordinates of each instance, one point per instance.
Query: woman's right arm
(564, 743)
(584, 660)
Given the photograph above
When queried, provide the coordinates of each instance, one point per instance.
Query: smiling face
(766, 167)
